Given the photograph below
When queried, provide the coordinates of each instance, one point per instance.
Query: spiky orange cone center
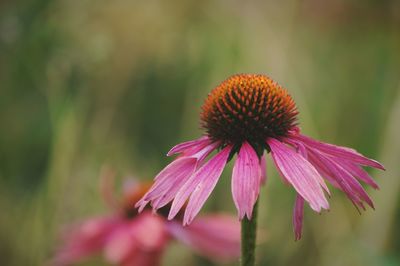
(250, 108)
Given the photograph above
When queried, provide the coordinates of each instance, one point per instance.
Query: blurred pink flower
(126, 237)
(248, 114)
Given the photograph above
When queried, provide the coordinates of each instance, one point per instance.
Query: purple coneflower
(127, 237)
(245, 116)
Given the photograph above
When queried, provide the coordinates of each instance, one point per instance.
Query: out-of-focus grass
(85, 83)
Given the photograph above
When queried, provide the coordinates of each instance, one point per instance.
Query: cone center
(248, 107)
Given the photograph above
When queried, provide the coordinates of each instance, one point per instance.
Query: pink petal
(298, 212)
(341, 172)
(182, 147)
(137, 240)
(197, 180)
(144, 258)
(338, 151)
(360, 173)
(322, 169)
(346, 181)
(300, 173)
(329, 172)
(202, 153)
(179, 169)
(169, 180)
(85, 239)
(208, 176)
(120, 246)
(356, 189)
(143, 225)
(141, 205)
(172, 177)
(216, 237)
(263, 166)
(169, 194)
(179, 164)
(349, 166)
(246, 180)
(303, 151)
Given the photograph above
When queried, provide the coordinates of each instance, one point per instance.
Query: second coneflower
(245, 116)
(129, 238)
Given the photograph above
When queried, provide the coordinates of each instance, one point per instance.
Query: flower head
(127, 237)
(248, 108)
(247, 115)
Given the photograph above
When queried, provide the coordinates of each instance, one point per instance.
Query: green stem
(249, 234)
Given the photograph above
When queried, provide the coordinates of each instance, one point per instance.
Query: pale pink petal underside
(188, 187)
(246, 180)
(174, 173)
(303, 151)
(300, 173)
(169, 194)
(180, 164)
(322, 169)
(182, 147)
(207, 177)
(179, 169)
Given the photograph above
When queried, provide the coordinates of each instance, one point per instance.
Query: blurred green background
(84, 83)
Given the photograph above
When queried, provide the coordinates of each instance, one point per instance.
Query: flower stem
(249, 228)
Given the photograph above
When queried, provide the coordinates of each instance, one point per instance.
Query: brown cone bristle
(248, 107)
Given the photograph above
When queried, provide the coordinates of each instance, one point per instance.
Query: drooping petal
(341, 171)
(196, 181)
(300, 173)
(263, 166)
(339, 151)
(169, 180)
(322, 169)
(169, 194)
(208, 176)
(298, 212)
(183, 194)
(246, 180)
(141, 204)
(346, 181)
(216, 237)
(162, 199)
(180, 164)
(359, 173)
(182, 147)
(303, 151)
(181, 168)
(201, 154)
